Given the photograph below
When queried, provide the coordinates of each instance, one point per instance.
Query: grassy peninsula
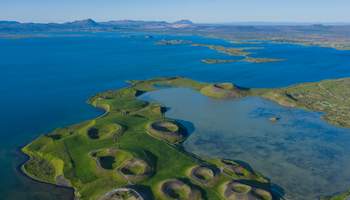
(134, 152)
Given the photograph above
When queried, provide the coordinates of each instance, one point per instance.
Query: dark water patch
(107, 161)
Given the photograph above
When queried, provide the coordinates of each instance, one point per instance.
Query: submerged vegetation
(134, 146)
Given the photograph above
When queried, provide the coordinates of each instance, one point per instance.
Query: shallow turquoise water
(302, 153)
(44, 82)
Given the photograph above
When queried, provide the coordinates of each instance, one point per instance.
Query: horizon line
(250, 22)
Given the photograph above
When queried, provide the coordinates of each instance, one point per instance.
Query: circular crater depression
(204, 174)
(234, 190)
(135, 169)
(177, 189)
(122, 194)
(168, 130)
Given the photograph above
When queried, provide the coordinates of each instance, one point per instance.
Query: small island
(217, 61)
(231, 51)
(261, 60)
(134, 152)
(172, 42)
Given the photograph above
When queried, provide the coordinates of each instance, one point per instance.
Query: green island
(261, 60)
(246, 59)
(231, 51)
(133, 151)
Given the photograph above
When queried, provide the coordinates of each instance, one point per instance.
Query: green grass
(41, 169)
(330, 97)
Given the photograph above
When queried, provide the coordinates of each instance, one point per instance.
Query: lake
(46, 81)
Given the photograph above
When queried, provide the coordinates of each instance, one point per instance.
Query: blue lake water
(46, 81)
(301, 153)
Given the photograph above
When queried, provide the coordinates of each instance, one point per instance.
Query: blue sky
(171, 10)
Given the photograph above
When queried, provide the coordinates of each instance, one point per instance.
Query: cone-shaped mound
(222, 91)
(237, 170)
(135, 169)
(168, 130)
(234, 190)
(233, 167)
(177, 189)
(102, 131)
(109, 158)
(204, 174)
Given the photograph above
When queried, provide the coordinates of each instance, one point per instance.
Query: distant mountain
(8, 22)
(89, 24)
(182, 24)
(336, 36)
(82, 23)
(184, 21)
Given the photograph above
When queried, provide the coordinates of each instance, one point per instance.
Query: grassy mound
(223, 91)
(104, 131)
(262, 194)
(177, 189)
(122, 194)
(234, 190)
(206, 175)
(135, 169)
(126, 163)
(168, 130)
(239, 171)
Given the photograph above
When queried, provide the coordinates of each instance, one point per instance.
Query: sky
(201, 11)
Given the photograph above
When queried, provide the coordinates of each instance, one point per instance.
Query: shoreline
(22, 172)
